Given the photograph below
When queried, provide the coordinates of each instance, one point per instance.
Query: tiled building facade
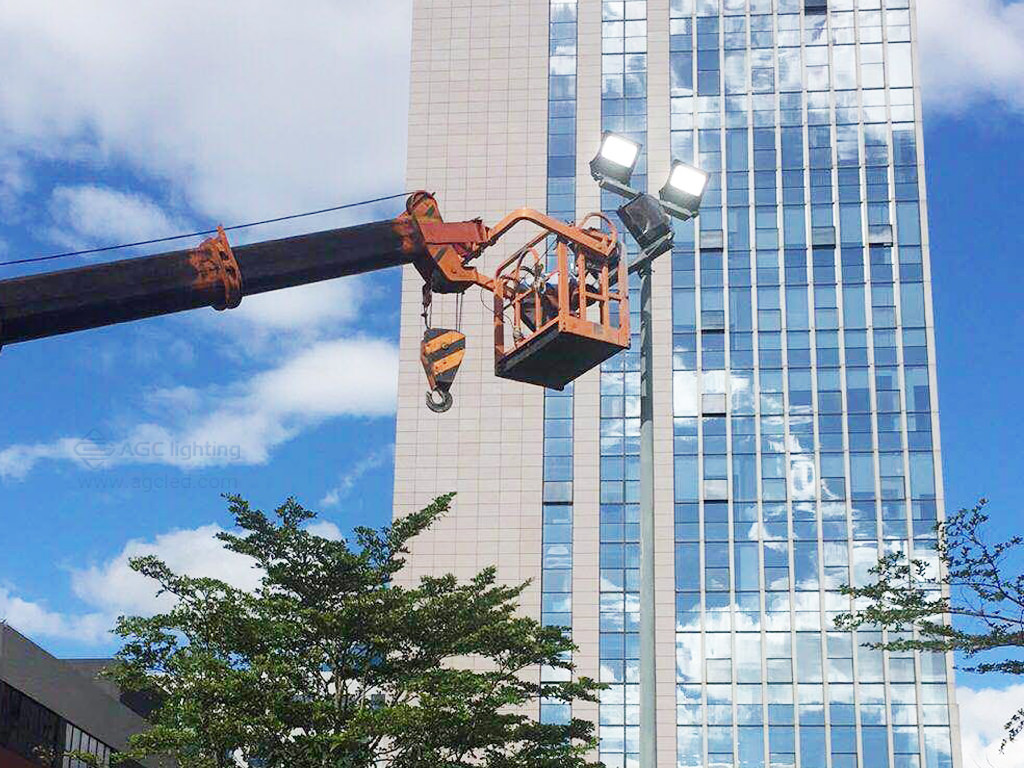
(796, 416)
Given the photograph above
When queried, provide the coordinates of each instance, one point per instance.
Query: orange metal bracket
(450, 247)
(594, 240)
(215, 264)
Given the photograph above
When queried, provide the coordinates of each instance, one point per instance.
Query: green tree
(968, 599)
(331, 663)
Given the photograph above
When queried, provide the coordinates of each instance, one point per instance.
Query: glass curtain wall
(802, 395)
(556, 574)
(43, 737)
(623, 110)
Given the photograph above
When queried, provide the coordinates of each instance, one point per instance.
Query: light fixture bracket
(606, 182)
(678, 211)
(653, 251)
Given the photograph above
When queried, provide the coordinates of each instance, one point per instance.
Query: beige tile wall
(478, 93)
(477, 137)
(659, 160)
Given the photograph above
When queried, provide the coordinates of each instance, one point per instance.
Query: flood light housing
(649, 225)
(684, 191)
(615, 161)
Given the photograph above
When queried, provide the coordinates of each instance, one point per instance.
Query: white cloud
(113, 589)
(971, 51)
(325, 529)
(35, 620)
(171, 399)
(14, 184)
(242, 109)
(347, 482)
(17, 461)
(90, 214)
(982, 716)
(310, 309)
(235, 111)
(241, 423)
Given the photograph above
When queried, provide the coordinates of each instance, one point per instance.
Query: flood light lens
(688, 180)
(620, 151)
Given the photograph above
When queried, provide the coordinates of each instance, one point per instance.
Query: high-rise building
(796, 413)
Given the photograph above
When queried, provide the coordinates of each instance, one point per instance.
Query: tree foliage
(331, 663)
(969, 600)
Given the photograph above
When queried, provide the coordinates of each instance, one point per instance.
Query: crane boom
(55, 303)
(563, 321)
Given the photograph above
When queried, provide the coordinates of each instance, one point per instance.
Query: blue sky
(151, 138)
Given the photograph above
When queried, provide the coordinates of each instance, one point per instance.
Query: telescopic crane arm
(580, 308)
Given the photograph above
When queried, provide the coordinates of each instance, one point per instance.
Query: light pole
(647, 220)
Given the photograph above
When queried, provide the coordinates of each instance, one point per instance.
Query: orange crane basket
(566, 321)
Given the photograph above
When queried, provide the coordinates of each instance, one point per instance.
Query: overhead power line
(106, 248)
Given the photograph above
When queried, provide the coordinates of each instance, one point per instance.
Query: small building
(50, 706)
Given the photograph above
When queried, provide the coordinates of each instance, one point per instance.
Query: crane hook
(438, 400)
(441, 353)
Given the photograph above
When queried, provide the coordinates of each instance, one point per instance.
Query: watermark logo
(145, 483)
(94, 450)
